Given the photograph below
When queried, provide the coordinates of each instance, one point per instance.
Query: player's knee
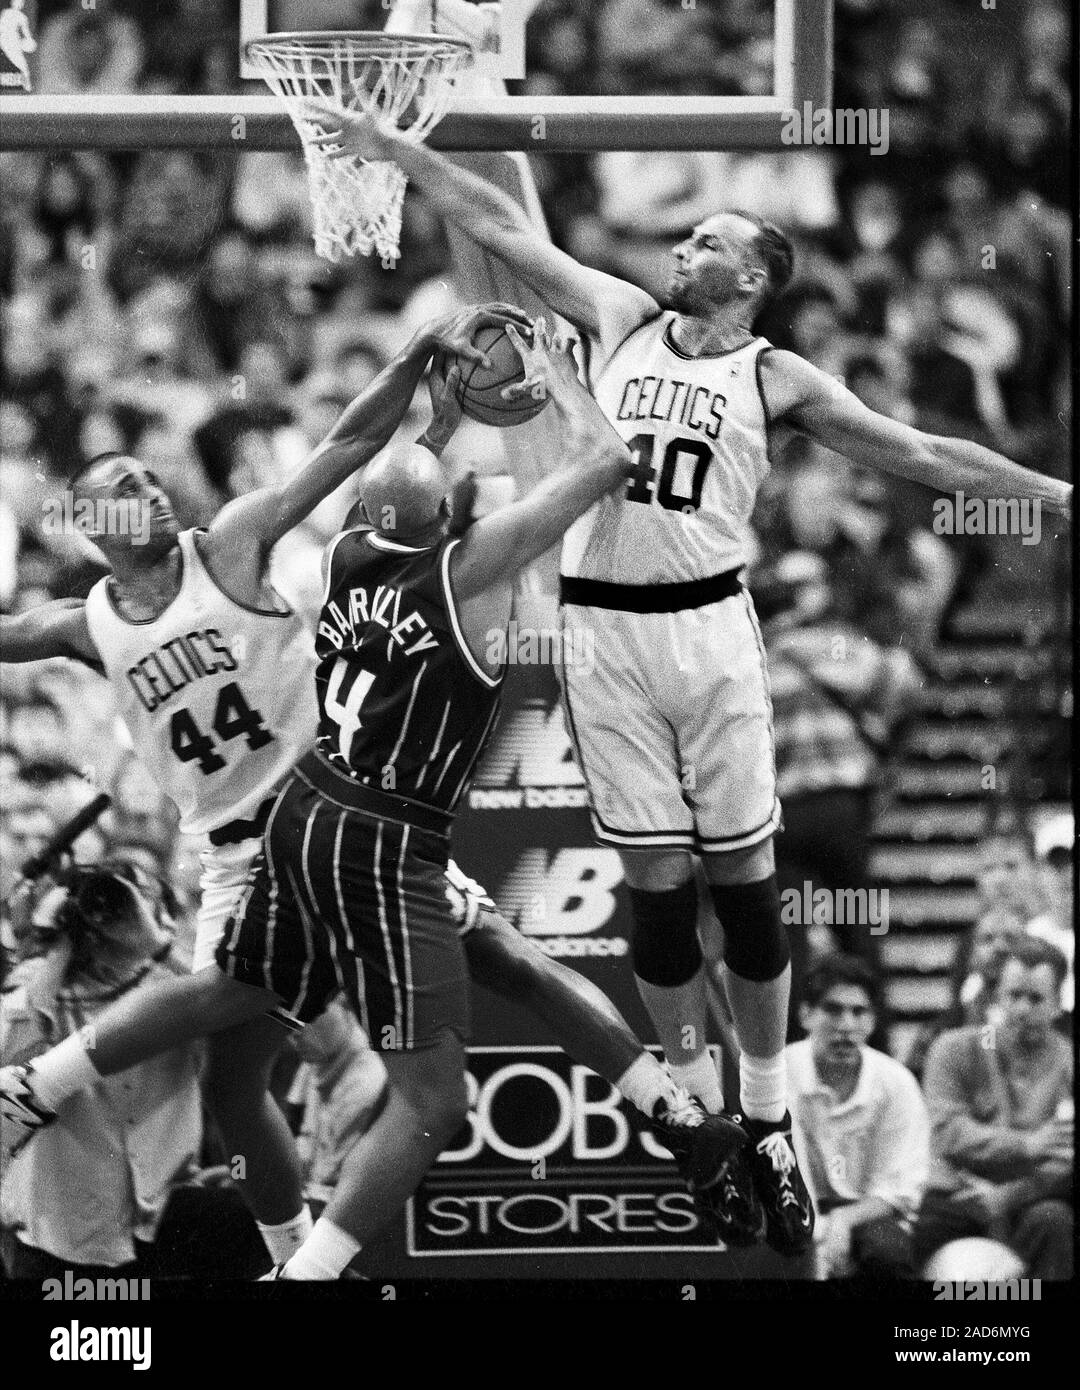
(443, 1110)
(434, 1087)
(749, 865)
(755, 943)
(665, 949)
(656, 871)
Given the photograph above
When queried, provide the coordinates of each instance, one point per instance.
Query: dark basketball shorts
(345, 899)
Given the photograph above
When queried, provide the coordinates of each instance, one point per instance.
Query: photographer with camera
(89, 1193)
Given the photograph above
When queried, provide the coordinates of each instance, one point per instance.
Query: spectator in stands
(232, 305)
(36, 729)
(26, 828)
(1056, 922)
(976, 971)
(1007, 874)
(1002, 1128)
(869, 244)
(816, 330)
(980, 962)
(88, 1193)
(189, 49)
(66, 201)
(861, 1127)
(86, 51)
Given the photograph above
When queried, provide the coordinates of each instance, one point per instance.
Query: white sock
(763, 1084)
(644, 1082)
(701, 1079)
(325, 1253)
(286, 1238)
(63, 1071)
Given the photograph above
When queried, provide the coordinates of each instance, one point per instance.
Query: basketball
(480, 389)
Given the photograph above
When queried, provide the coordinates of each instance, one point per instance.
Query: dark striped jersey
(403, 704)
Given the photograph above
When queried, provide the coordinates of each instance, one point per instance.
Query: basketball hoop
(405, 79)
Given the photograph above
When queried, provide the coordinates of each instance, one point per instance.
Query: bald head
(403, 491)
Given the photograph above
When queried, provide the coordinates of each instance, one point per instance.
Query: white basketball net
(406, 79)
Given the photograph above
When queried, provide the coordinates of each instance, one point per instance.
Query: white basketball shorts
(224, 873)
(671, 720)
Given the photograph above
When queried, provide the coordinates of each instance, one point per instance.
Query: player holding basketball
(581, 1017)
(212, 674)
(350, 892)
(673, 728)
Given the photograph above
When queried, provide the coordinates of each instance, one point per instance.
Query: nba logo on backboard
(18, 19)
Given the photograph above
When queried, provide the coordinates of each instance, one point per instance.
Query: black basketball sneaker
(710, 1153)
(789, 1212)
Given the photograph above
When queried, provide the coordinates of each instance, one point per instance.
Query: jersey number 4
(233, 716)
(346, 713)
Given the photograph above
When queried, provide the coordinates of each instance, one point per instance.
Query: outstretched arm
(807, 398)
(605, 308)
(54, 629)
(500, 545)
(252, 525)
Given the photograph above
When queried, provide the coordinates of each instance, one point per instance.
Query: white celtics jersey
(219, 698)
(697, 429)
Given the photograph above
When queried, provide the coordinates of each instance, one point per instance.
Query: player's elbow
(925, 451)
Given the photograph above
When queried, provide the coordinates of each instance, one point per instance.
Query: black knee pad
(665, 948)
(755, 943)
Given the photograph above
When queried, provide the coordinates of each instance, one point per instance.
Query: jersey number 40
(233, 716)
(695, 452)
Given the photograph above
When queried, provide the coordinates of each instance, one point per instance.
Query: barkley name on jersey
(403, 703)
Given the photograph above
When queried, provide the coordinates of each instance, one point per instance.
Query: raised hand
(548, 362)
(445, 407)
(455, 332)
(345, 133)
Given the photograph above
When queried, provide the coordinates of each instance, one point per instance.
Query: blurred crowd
(169, 304)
